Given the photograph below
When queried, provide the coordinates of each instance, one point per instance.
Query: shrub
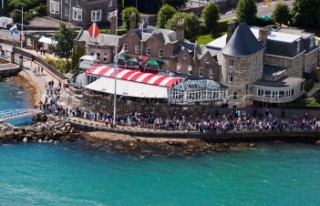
(16, 15)
(308, 85)
(60, 64)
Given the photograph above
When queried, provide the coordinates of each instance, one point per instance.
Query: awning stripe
(136, 76)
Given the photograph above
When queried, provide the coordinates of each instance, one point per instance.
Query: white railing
(17, 113)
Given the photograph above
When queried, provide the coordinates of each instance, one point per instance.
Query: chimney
(180, 30)
(133, 21)
(231, 27)
(113, 25)
(196, 51)
(263, 35)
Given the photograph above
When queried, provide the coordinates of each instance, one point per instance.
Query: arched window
(235, 95)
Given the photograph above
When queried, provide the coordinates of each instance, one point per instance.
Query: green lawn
(207, 38)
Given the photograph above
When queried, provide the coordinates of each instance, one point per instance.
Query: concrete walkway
(32, 74)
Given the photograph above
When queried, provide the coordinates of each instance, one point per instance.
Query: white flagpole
(115, 77)
(22, 28)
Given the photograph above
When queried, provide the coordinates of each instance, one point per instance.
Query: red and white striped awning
(135, 76)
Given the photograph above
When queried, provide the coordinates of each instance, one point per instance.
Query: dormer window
(231, 63)
(207, 60)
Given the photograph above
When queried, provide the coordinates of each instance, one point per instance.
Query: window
(136, 49)
(255, 59)
(110, 3)
(160, 53)
(190, 70)
(54, 7)
(235, 95)
(96, 15)
(66, 10)
(178, 68)
(231, 63)
(125, 47)
(207, 60)
(201, 72)
(298, 46)
(211, 74)
(77, 2)
(77, 14)
(29, 43)
(184, 56)
(230, 77)
(312, 42)
(148, 51)
(260, 93)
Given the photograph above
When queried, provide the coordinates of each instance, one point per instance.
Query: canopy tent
(135, 76)
(265, 18)
(154, 62)
(128, 88)
(47, 40)
(133, 59)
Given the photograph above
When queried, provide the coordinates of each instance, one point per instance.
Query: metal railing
(17, 113)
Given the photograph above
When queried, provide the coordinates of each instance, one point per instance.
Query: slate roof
(242, 42)
(102, 39)
(165, 35)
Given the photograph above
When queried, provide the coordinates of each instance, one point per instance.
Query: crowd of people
(238, 120)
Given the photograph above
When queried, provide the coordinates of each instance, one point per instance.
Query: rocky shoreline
(54, 131)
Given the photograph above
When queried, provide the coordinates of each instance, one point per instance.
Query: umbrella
(133, 59)
(265, 18)
(154, 62)
(123, 57)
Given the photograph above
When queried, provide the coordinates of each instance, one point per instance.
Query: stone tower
(242, 65)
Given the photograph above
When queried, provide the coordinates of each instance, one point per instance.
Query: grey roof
(102, 39)
(285, 82)
(296, 32)
(165, 35)
(272, 70)
(186, 44)
(242, 43)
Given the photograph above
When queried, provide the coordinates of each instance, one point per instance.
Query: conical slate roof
(242, 42)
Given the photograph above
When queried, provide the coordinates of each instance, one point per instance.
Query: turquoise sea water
(73, 174)
(44, 174)
(13, 96)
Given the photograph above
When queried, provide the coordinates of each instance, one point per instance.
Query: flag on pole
(94, 31)
(113, 13)
(14, 30)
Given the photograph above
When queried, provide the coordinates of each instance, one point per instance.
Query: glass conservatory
(190, 91)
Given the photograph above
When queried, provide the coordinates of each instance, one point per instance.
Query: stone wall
(294, 66)
(310, 61)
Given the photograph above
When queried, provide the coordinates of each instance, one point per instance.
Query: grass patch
(204, 39)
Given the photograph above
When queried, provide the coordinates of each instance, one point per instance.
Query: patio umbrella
(154, 62)
(133, 59)
(123, 57)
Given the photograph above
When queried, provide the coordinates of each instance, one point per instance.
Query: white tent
(47, 41)
(129, 88)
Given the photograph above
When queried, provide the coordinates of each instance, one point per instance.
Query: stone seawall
(310, 137)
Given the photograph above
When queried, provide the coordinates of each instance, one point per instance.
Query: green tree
(246, 11)
(210, 15)
(165, 13)
(26, 4)
(175, 3)
(126, 14)
(64, 38)
(281, 13)
(192, 25)
(306, 13)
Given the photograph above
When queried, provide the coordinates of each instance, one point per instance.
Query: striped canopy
(135, 76)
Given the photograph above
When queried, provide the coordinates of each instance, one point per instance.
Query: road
(262, 9)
